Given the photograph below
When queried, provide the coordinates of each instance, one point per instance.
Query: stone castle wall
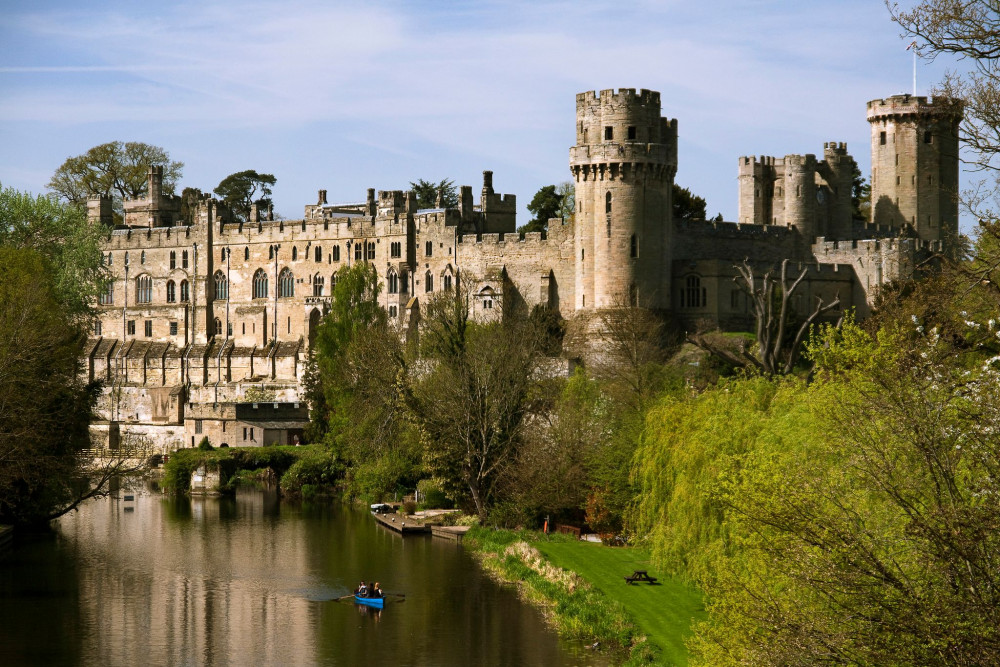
(199, 314)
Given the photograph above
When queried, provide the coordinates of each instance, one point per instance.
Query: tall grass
(577, 610)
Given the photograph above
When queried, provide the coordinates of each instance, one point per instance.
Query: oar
(344, 597)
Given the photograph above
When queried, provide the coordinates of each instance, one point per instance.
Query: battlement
(531, 239)
(805, 161)
(908, 105)
(733, 229)
(125, 238)
(834, 148)
(622, 96)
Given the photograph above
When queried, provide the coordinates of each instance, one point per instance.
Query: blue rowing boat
(371, 602)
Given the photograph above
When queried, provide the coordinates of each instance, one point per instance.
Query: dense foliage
(241, 190)
(116, 169)
(429, 193)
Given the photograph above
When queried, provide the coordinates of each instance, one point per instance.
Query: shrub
(409, 507)
(432, 495)
(308, 475)
(205, 445)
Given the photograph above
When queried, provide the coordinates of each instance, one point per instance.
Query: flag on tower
(912, 44)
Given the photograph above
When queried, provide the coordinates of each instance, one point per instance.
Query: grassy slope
(664, 612)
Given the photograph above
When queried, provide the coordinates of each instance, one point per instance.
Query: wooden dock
(402, 524)
(454, 533)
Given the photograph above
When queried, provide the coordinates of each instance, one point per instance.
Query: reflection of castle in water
(252, 582)
(197, 314)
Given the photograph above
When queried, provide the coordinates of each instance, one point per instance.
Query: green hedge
(315, 466)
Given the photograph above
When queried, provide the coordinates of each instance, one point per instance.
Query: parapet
(909, 105)
(622, 96)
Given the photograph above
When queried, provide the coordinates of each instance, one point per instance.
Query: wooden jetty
(402, 524)
(455, 533)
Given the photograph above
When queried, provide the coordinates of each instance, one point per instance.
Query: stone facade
(198, 314)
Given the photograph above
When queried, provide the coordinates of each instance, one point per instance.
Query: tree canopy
(61, 234)
(116, 169)
(239, 191)
(551, 201)
(427, 193)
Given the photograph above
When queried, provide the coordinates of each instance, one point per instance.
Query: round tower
(623, 165)
(800, 194)
(915, 164)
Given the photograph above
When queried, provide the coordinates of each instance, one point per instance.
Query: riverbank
(581, 588)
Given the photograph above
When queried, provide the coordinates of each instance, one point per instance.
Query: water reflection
(252, 580)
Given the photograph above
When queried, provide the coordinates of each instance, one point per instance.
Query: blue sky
(346, 96)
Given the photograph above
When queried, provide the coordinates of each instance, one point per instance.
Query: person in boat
(362, 590)
(377, 591)
(371, 590)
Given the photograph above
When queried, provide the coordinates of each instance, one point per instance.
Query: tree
(567, 202)
(861, 196)
(45, 405)
(240, 191)
(776, 350)
(116, 169)
(356, 410)
(61, 234)
(686, 205)
(547, 203)
(473, 399)
(428, 193)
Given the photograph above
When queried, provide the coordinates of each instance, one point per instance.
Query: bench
(639, 575)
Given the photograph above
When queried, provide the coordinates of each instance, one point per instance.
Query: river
(253, 581)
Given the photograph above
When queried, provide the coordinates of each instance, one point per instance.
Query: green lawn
(664, 611)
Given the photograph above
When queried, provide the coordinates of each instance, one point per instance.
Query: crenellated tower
(915, 164)
(623, 166)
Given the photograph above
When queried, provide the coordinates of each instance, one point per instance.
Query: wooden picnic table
(640, 575)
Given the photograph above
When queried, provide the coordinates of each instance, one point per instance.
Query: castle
(198, 314)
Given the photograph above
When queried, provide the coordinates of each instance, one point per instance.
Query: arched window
(371, 250)
(447, 282)
(246, 254)
(270, 252)
(110, 259)
(126, 258)
(222, 255)
(218, 327)
(333, 283)
(108, 295)
(336, 253)
(295, 253)
(286, 284)
(185, 291)
(184, 259)
(318, 253)
(173, 260)
(260, 284)
(142, 257)
(428, 282)
(171, 292)
(607, 211)
(143, 289)
(693, 294)
(393, 280)
(221, 286)
(318, 285)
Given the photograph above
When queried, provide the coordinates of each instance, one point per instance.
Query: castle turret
(834, 195)
(99, 210)
(915, 164)
(800, 194)
(623, 166)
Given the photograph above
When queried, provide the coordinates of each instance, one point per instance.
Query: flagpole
(912, 47)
